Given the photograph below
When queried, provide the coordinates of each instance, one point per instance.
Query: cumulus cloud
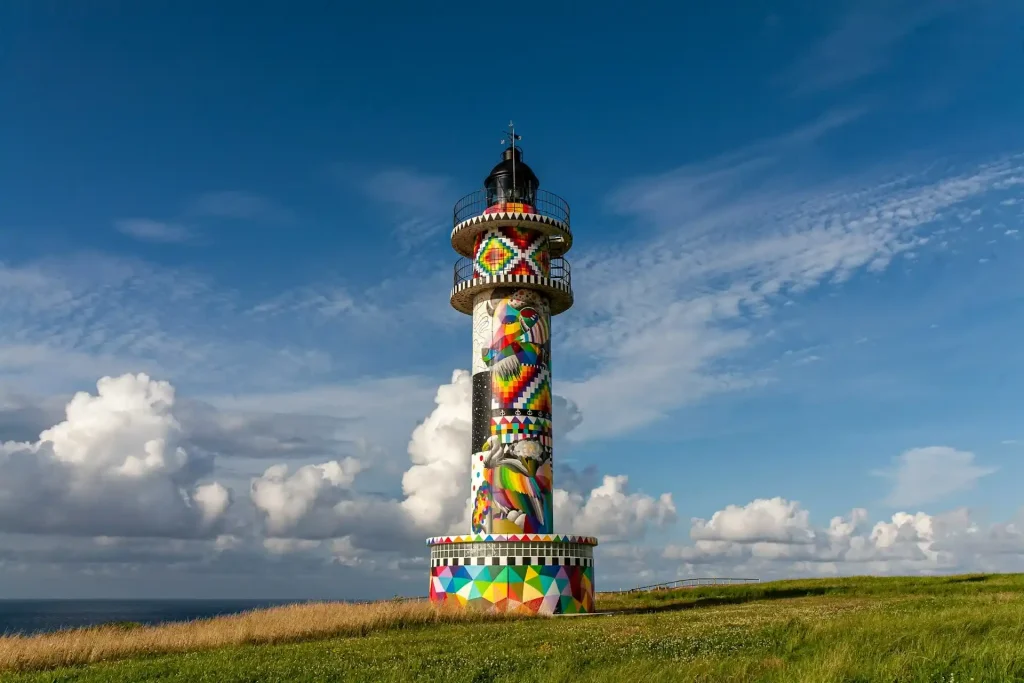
(114, 466)
(611, 511)
(774, 521)
(772, 538)
(319, 501)
(437, 487)
(924, 475)
(121, 467)
(285, 500)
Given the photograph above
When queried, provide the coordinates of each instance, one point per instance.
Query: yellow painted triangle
(531, 573)
(531, 593)
(497, 591)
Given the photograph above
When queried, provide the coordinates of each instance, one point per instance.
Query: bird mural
(520, 332)
(518, 475)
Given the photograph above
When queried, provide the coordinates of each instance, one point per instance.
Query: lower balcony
(468, 282)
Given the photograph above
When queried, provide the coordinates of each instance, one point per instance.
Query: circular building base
(533, 573)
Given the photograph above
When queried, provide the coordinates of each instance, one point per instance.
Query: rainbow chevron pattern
(530, 391)
(534, 589)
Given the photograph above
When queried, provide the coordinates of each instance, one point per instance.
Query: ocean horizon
(31, 616)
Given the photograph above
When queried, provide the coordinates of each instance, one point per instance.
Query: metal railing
(560, 271)
(543, 202)
(686, 583)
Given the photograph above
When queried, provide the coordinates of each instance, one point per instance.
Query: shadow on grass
(977, 578)
(863, 586)
(720, 600)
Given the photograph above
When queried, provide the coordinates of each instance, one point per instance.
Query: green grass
(858, 629)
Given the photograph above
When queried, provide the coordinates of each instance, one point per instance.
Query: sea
(40, 616)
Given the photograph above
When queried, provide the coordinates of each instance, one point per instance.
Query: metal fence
(686, 583)
(543, 202)
(560, 271)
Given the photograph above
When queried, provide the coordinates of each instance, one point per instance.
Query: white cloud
(665, 317)
(611, 512)
(774, 520)
(115, 466)
(329, 302)
(72, 319)
(285, 500)
(437, 486)
(907, 543)
(120, 468)
(150, 230)
(436, 490)
(659, 320)
(924, 475)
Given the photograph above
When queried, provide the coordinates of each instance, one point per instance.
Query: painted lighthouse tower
(512, 278)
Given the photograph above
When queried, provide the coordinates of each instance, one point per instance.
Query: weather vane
(510, 138)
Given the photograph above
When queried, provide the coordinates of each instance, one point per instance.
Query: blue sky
(798, 237)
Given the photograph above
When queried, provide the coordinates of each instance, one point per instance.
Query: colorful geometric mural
(511, 251)
(527, 394)
(512, 468)
(537, 589)
(516, 427)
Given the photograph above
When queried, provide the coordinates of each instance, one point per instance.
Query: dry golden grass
(290, 623)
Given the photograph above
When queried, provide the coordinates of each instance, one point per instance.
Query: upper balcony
(541, 202)
(536, 209)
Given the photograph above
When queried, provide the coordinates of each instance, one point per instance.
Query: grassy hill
(960, 628)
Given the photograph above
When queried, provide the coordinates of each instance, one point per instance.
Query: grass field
(962, 628)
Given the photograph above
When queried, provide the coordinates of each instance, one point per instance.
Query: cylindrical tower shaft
(512, 436)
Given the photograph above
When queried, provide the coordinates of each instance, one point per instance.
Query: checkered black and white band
(521, 560)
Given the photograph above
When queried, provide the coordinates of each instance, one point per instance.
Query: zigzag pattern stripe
(506, 216)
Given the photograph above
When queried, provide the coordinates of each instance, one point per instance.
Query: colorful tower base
(536, 574)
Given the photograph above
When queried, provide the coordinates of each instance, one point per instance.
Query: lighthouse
(512, 278)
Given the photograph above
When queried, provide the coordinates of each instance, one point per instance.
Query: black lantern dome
(511, 180)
